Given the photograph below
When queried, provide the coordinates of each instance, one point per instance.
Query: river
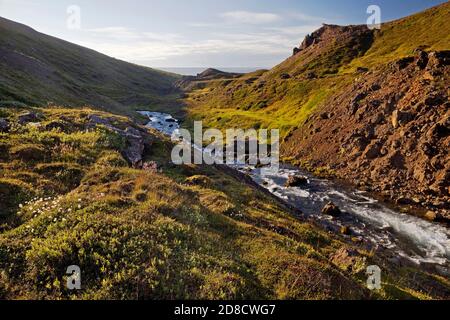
(401, 235)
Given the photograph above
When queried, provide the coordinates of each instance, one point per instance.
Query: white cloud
(155, 48)
(119, 33)
(248, 17)
(297, 31)
(127, 34)
(307, 18)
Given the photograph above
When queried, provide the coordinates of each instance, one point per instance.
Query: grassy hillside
(428, 30)
(69, 197)
(37, 69)
(285, 96)
(370, 107)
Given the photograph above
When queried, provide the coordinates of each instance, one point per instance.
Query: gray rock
(4, 125)
(135, 146)
(28, 117)
(422, 58)
(95, 120)
(135, 140)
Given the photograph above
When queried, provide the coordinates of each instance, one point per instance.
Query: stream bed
(401, 235)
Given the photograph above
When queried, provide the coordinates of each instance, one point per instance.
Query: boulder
(403, 63)
(325, 115)
(135, 140)
(296, 181)
(308, 41)
(331, 209)
(373, 150)
(95, 120)
(430, 215)
(135, 146)
(438, 59)
(399, 118)
(28, 117)
(422, 58)
(4, 125)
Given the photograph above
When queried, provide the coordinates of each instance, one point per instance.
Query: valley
(87, 178)
(368, 107)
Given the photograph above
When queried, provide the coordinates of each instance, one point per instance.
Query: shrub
(69, 174)
(12, 193)
(198, 180)
(111, 159)
(28, 152)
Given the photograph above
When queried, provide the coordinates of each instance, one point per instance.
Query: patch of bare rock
(389, 132)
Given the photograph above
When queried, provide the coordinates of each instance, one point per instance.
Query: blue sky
(198, 33)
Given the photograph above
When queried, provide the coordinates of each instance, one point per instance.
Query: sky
(196, 33)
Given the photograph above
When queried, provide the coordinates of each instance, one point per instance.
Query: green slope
(428, 30)
(286, 95)
(38, 69)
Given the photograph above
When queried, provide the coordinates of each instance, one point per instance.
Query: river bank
(367, 220)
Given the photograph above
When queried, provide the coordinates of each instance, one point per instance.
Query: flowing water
(403, 236)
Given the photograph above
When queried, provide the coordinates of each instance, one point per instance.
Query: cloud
(248, 17)
(119, 33)
(201, 24)
(161, 50)
(151, 48)
(297, 31)
(127, 34)
(223, 42)
(306, 18)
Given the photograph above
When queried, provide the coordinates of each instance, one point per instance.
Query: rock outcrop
(135, 140)
(393, 132)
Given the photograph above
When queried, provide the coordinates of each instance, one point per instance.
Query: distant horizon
(193, 71)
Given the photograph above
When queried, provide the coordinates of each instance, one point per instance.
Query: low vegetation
(162, 232)
(37, 69)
